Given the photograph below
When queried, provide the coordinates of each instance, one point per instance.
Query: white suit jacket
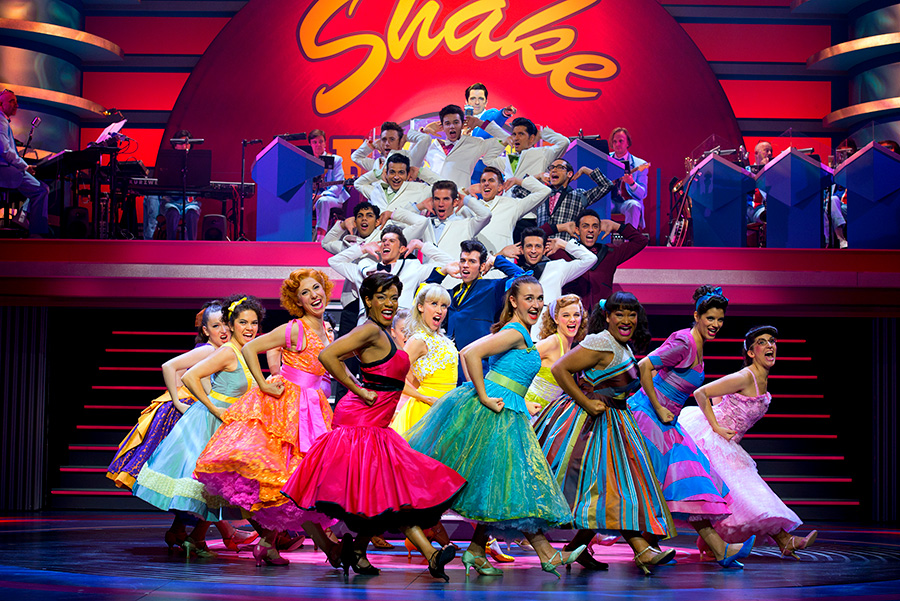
(560, 272)
(418, 146)
(409, 194)
(536, 160)
(455, 230)
(458, 165)
(506, 211)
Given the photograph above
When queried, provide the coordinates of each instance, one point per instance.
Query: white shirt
(506, 211)
(448, 234)
(338, 240)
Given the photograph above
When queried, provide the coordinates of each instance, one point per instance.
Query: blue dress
(167, 479)
(510, 487)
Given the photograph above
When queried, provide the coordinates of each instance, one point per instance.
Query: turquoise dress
(167, 479)
(510, 487)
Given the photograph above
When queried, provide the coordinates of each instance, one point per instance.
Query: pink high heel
(269, 555)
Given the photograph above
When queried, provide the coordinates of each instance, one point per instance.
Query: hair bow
(601, 304)
(234, 305)
(717, 291)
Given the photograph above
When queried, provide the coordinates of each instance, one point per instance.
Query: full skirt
(510, 485)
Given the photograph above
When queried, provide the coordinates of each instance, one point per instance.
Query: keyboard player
(172, 207)
(17, 175)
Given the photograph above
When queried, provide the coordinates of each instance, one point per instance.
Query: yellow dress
(544, 388)
(436, 372)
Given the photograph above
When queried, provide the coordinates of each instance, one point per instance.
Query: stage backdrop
(345, 66)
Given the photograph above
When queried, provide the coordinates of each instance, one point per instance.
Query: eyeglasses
(767, 342)
(563, 167)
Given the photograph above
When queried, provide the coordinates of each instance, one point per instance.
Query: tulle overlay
(166, 480)
(601, 463)
(154, 424)
(510, 486)
(755, 508)
(364, 473)
(250, 458)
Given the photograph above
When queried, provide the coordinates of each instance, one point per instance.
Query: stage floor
(57, 556)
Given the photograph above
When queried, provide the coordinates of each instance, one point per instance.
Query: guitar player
(631, 189)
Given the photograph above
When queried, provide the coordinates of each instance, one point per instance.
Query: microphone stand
(182, 228)
(239, 211)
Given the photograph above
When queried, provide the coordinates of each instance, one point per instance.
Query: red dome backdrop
(282, 66)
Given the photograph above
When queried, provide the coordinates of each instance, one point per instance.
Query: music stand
(185, 169)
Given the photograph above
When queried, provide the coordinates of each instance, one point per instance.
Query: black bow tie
(383, 267)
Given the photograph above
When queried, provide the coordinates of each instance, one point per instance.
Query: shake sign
(542, 42)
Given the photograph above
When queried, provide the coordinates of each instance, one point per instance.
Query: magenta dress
(364, 473)
(755, 509)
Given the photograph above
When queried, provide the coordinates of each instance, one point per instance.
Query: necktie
(513, 161)
(447, 147)
(554, 198)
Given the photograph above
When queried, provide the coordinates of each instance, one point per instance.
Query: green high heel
(480, 563)
(549, 566)
(198, 548)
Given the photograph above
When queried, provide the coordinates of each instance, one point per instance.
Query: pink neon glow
(787, 479)
(103, 427)
(798, 415)
(129, 368)
(128, 387)
(145, 350)
(791, 436)
(93, 493)
(798, 396)
(78, 447)
(85, 470)
(798, 457)
(786, 502)
(139, 407)
(162, 333)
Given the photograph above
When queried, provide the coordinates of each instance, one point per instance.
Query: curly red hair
(291, 286)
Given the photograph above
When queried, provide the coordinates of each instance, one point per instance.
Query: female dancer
(592, 442)
(157, 420)
(510, 490)
(755, 509)
(432, 355)
(265, 434)
(362, 472)
(563, 325)
(693, 491)
(166, 480)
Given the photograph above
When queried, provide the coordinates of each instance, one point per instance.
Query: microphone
(35, 122)
(253, 141)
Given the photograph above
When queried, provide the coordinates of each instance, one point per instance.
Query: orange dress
(263, 438)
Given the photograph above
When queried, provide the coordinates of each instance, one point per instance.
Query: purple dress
(692, 488)
(755, 509)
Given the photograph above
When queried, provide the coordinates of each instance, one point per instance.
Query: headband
(717, 291)
(234, 305)
(552, 308)
(511, 281)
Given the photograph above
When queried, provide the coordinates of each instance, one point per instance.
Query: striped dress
(693, 489)
(601, 462)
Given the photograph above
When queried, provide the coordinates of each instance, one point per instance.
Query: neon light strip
(798, 415)
(93, 493)
(792, 436)
(129, 368)
(798, 396)
(79, 447)
(128, 387)
(145, 350)
(140, 407)
(86, 470)
(115, 332)
(103, 427)
(791, 479)
(771, 377)
(798, 457)
(841, 503)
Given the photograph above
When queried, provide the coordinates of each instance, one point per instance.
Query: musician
(837, 206)
(564, 202)
(458, 152)
(392, 140)
(172, 207)
(16, 174)
(756, 205)
(631, 189)
(332, 196)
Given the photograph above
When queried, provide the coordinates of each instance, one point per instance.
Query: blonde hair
(427, 293)
(549, 325)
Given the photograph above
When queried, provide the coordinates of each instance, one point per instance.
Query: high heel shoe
(588, 561)
(549, 566)
(174, 539)
(480, 563)
(438, 560)
(379, 543)
(289, 541)
(604, 540)
(410, 547)
(795, 544)
(493, 549)
(232, 542)
(730, 560)
(198, 548)
(661, 557)
(350, 558)
(264, 553)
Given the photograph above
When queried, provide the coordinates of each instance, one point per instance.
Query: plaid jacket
(572, 201)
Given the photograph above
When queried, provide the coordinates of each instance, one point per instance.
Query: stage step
(110, 498)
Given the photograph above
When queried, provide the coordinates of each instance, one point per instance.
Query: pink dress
(364, 473)
(755, 509)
